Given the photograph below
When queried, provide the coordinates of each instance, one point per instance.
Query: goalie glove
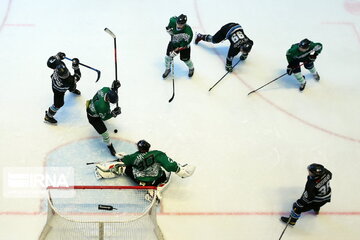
(185, 171)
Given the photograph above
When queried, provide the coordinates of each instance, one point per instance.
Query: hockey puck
(115, 130)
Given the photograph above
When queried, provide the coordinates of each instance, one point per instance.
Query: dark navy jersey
(317, 190)
(235, 34)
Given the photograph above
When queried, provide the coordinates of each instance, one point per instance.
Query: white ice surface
(251, 152)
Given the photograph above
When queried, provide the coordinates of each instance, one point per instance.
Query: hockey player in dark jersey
(317, 193)
(145, 167)
(62, 81)
(98, 110)
(306, 52)
(181, 36)
(238, 42)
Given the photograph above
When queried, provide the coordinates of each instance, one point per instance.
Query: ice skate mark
(352, 6)
(3, 22)
(198, 15)
(350, 24)
(19, 25)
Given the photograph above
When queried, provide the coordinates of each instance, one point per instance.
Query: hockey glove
(115, 85)
(116, 111)
(312, 57)
(289, 70)
(72, 87)
(60, 56)
(75, 63)
(76, 77)
(169, 30)
(185, 171)
(172, 54)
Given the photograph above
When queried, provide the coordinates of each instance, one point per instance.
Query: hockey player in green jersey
(181, 36)
(306, 52)
(98, 110)
(145, 167)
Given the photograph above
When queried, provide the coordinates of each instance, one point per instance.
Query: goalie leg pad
(109, 170)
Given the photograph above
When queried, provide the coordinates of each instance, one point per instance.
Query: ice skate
(302, 86)
(77, 92)
(243, 57)
(112, 149)
(198, 38)
(316, 76)
(228, 68)
(286, 220)
(191, 72)
(49, 119)
(166, 73)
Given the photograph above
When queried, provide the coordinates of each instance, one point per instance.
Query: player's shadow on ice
(73, 111)
(213, 49)
(287, 81)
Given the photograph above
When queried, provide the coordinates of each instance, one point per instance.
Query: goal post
(101, 212)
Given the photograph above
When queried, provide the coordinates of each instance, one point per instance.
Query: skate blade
(54, 124)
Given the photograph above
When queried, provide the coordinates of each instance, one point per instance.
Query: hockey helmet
(62, 71)
(112, 97)
(181, 19)
(304, 44)
(316, 169)
(143, 146)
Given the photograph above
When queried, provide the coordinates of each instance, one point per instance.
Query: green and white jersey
(180, 37)
(98, 107)
(147, 166)
(294, 55)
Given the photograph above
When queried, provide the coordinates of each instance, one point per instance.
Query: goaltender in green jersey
(145, 167)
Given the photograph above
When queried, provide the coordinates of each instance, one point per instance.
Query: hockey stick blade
(223, 76)
(173, 95)
(173, 81)
(110, 32)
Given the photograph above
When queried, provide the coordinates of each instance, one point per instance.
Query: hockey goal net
(101, 212)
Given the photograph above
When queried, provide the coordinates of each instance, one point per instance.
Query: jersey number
(237, 36)
(146, 162)
(324, 189)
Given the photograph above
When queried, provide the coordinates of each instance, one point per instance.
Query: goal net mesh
(101, 212)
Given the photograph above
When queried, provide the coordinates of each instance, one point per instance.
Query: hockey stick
(115, 160)
(270, 82)
(287, 224)
(115, 57)
(267, 83)
(223, 77)
(98, 71)
(173, 81)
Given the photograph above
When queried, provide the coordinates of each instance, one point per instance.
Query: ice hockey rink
(251, 152)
